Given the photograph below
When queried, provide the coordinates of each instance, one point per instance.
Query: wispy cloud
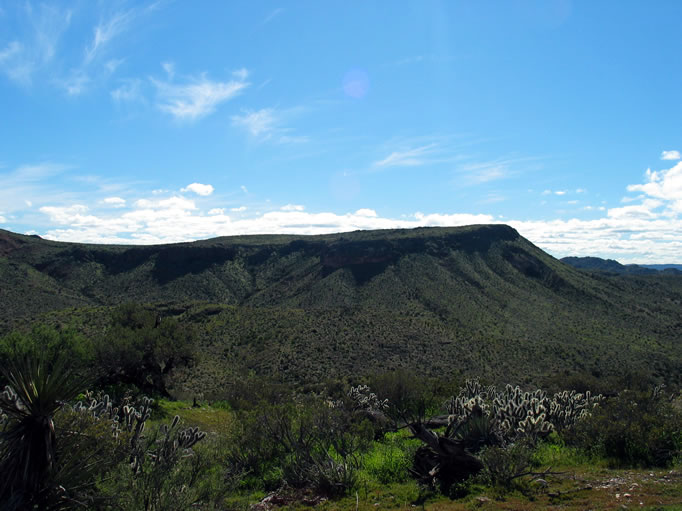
(113, 26)
(33, 52)
(266, 124)
(35, 41)
(408, 158)
(31, 183)
(10, 51)
(169, 68)
(670, 155)
(479, 172)
(409, 60)
(75, 83)
(273, 14)
(130, 90)
(259, 123)
(199, 96)
(114, 202)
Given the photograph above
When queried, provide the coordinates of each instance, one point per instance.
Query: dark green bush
(48, 344)
(411, 397)
(636, 428)
(502, 466)
(140, 348)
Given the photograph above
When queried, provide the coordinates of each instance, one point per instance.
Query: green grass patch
(389, 460)
(212, 419)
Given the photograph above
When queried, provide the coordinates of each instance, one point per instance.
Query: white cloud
(172, 203)
(244, 189)
(629, 234)
(75, 84)
(478, 172)
(266, 124)
(646, 230)
(241, 74)
(113, 64)
(129, 90)
(292, 207)
(670, 155)
(115, 202)
(197, 98)
(407, 158)
(560, 192)
(40, 36)
(199, 189)
(261, 122)
(10, 51)
(169, 68)
(644, 210)
(108, 29)
(2, 219)
(665, 185)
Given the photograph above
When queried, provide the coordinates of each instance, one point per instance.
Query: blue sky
(134, 122)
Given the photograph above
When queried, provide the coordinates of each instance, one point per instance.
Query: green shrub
(140, 348)
(636, 428)
(48, 344)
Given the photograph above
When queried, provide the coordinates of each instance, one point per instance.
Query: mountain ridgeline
(477, 300)
(611, 266)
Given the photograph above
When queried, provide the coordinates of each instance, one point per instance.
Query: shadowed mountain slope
(478, 299)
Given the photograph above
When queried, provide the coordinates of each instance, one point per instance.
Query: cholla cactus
(8, 399)
(163, 447)
(171, 445)
(364, 399)
(513, 413)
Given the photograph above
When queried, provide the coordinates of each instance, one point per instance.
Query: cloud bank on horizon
(120, 123)
(647, 229)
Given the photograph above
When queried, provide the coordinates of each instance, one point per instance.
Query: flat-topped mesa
(388, 246)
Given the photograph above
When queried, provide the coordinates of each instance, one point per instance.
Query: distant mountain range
(477, 300)
(609, 265)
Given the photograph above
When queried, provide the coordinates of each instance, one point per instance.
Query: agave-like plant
(28, 445)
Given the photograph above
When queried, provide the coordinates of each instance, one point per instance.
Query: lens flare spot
(356, 83)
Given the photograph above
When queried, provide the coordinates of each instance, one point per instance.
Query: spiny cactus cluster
(123, 418)
(512, 413)
(8, 401)
(164, 448)
(364, 399)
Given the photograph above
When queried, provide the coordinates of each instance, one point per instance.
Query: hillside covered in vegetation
(478, 300)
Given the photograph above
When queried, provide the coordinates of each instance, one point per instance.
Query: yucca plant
(28, 441)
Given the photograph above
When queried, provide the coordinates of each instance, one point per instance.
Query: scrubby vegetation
(478, 301)
(66, 450)
(455, 366)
